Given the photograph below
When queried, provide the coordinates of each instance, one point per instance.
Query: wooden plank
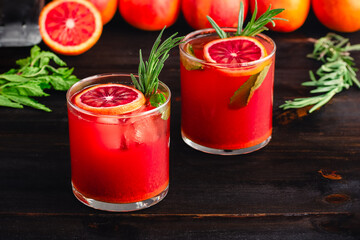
(128, 226)
(275, 193)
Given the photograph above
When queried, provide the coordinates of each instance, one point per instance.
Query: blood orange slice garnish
(235, 52)
(110, 99)
(70, 27)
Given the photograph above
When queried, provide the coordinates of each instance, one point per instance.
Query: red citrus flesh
(110, 99)
(236, 56)
(70, 27)
(234, 50)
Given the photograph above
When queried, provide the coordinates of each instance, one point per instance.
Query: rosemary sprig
(148, 71)
(254, 27)
(335, 74)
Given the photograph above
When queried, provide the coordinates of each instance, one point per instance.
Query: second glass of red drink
(226, 91)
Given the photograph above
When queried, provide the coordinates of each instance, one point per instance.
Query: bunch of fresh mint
(34, 75)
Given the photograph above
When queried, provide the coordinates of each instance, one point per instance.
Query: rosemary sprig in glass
(148, 71)
(254, 27)
(336, 74)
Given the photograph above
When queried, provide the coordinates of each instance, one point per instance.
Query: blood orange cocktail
(119, 162)
(226, 108)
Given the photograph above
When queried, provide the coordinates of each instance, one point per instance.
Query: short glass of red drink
(226, 101)
(119, 162)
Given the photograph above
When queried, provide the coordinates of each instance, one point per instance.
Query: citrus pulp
(110, 99)
(70, 27)
(234, 53)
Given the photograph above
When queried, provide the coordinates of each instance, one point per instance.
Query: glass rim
(193, 34)
(126, 115)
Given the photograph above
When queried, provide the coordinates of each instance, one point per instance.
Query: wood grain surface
(275, 193)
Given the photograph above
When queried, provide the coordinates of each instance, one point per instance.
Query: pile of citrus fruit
(71, 27)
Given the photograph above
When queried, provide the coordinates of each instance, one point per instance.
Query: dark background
(274, 193)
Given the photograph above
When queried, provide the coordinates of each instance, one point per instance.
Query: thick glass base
(224, 151)
(119, 207)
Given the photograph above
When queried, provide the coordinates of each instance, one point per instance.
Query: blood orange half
(235, 52)
(110, 99)
(70, 27)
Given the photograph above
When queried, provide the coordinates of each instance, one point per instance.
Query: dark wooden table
(274, 193)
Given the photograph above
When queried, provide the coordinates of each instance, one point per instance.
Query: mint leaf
(243, 95)
(44, 58)
(166, 114)
(35, 51)
(60, 83)
(28, 102)
(33, 71)
(32, 78)
(157, 99)
(23, 62)
(188, 63)
(62, 71)
(33, 89)
(5, 102)
(13, 78)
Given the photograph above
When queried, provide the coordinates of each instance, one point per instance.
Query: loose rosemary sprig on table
(336, 74)
(148, 72)
(254, 27)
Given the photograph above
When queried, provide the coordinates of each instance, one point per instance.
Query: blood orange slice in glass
(235, 52)
(70, 27)
(110, 99)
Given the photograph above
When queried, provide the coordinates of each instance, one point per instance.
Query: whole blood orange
(110, 99)
(107, 9)
(338, 15)
(70, 27)
(151, 15)
(224, 12)
(296, 12)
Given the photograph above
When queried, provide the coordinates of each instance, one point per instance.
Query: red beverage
(119, 162)
(210, 121)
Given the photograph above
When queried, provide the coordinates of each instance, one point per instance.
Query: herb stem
(148, 71)
(335, 74)
(255, 26)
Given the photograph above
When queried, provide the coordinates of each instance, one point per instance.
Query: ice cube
(143, 130)
(109, 133)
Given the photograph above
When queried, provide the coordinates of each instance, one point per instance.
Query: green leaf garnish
(189, 64)
(243, 95)
(254, 27)
(157, 99)
(336, 74)
(148, 72)
(35, 74)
